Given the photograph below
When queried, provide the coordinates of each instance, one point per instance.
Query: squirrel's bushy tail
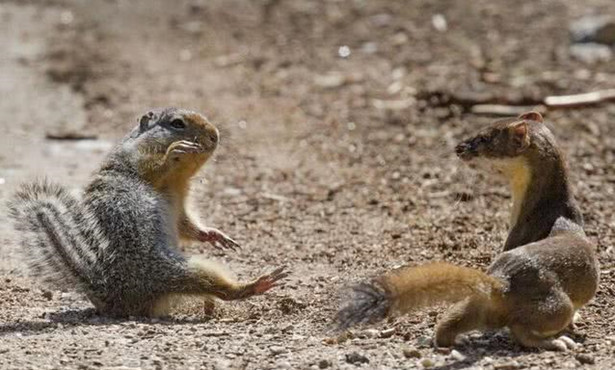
(60, 248)
(410, 288)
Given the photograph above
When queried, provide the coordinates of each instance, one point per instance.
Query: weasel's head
(503, 145)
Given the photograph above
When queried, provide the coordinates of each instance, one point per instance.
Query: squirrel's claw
(279, 273)
(182, 147)
(218, 239)
(266, 282)
(229, 243)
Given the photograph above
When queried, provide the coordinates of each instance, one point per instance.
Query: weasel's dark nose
(466, 150)
(461, 149)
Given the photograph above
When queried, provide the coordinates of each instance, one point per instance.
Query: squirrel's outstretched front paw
(180, 148)
(218, 239)
(266, 282)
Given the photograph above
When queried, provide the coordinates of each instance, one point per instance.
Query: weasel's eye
(178, 124)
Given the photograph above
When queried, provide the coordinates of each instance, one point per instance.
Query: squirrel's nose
(213, 136)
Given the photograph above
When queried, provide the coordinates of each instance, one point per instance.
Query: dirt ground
(338, 122)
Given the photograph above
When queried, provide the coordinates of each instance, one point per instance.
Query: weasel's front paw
(218, 239)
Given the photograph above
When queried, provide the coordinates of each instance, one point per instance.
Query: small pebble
(323, 364)
(370, 333)
(457, 355)
(427, 362)
(424, 341)
(412, 352)
(591, 53)
(356, 358)
(222, 365)
(585, 358)
(600, 29)
(511, 365)
(387, 333)
(276, 350)
(48, 295)
(443, 350)
(439, 22)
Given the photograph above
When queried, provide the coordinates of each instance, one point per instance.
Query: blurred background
(338, 121)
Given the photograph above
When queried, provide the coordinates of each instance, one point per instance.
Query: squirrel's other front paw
(218, 239)
(266, 282)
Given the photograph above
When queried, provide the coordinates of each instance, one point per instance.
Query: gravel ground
(338, 122)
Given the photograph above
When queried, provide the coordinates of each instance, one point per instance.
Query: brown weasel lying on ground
(548, 269)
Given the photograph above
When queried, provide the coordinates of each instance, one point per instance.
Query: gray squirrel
(119, 244)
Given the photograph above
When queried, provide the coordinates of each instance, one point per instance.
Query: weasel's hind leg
(535, 340)
(539, 324)
(467, 315)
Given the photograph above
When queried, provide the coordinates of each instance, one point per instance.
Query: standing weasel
(119, 245)
(536, 169)
(548, 271)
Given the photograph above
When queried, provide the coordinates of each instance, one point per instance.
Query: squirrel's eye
(178, 124)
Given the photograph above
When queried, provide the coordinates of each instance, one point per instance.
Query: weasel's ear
(520, 134)
(532, 116)
(145, 120)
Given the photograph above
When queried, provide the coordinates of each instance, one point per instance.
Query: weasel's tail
(411, 288)
(54, 234)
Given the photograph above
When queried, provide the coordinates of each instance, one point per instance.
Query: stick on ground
(578, 100)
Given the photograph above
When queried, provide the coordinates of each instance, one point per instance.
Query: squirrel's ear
(144, 121)
(532, 116)
(520, 134)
